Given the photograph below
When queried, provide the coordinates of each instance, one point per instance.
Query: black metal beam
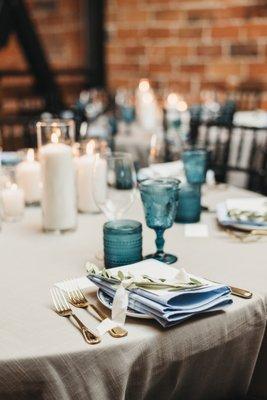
(34, 54)
(96, 42)
(5, 23)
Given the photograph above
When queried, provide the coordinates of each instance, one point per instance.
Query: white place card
(82, 282)
(196, 230)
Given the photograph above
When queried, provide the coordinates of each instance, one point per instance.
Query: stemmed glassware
(160, 201)
(121, 183)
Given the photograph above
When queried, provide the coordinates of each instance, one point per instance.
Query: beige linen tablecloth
(209, 357)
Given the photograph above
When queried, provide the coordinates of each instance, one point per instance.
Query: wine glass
(118, 192)
(160, 201)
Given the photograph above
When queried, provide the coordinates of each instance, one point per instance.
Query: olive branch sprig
(246, 215)
(144, 282)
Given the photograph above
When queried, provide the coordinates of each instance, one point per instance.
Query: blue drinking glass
(189, 206)
(195, 165)
(160, 201)
(122, 242)
(127, 114)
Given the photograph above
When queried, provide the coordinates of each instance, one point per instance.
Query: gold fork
(243, 236)
(78, 299)
(63, 309)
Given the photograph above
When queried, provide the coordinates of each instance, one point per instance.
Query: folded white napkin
(174, 169)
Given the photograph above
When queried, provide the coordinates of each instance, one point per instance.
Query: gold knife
(245, 294)
(260, 232)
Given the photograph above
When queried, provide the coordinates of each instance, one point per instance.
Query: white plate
(107, 302)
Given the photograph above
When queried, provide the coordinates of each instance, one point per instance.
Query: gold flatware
(259, 232)
(245, 294)
(78, 299)
(63, 309)
(243, 236)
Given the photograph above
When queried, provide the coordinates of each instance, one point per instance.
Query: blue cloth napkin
(171, 308)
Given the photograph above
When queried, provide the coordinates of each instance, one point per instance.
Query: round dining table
(216, 356)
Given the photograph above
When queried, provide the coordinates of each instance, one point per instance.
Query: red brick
(200, 14)
(158, 33)
(244, 49)
(168, 15)
(256, 30)
(193, 68)
(258, 70)
(223, 70)
(161, 68)
(223, 32)
(190, 33)
(179, 50)
(209, 50)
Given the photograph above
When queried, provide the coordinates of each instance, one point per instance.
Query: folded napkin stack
(244, 212)
(181, 295)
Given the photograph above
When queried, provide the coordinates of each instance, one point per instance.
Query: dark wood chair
(236, 153)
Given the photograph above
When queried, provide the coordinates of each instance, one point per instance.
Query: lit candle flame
(54, 138)
(182, 106)
(30, 155)
(144, 85)
(176, 102)
(90, 147)
(172, 100)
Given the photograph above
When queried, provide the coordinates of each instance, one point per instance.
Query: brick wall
(188, 44)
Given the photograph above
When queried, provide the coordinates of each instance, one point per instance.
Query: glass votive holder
(189, 205)
(195, 165)
(12, 199)
(122, 242)
(56, 131)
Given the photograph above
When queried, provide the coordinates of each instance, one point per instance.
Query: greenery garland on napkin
(246, 215)
(145, 281)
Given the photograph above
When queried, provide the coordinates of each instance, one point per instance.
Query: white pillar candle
(28, 178)
(58, 186)
(12, 202)
(89, 168)
(147, 110)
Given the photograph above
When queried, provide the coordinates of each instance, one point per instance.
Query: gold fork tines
(77, 298)
(63, 309)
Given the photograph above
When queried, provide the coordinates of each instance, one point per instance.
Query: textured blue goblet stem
(160, 241)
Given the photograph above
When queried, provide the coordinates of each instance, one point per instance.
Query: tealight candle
(12, 202)
(89, 167)
(28, 178)
(58, 191)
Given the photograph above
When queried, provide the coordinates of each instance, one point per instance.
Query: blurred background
(84, 59)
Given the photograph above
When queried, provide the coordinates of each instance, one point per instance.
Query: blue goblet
(195, 165)
(160, 201)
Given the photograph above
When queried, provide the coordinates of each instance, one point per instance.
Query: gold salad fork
(78, 299)
(247, 236)
(63, 309)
